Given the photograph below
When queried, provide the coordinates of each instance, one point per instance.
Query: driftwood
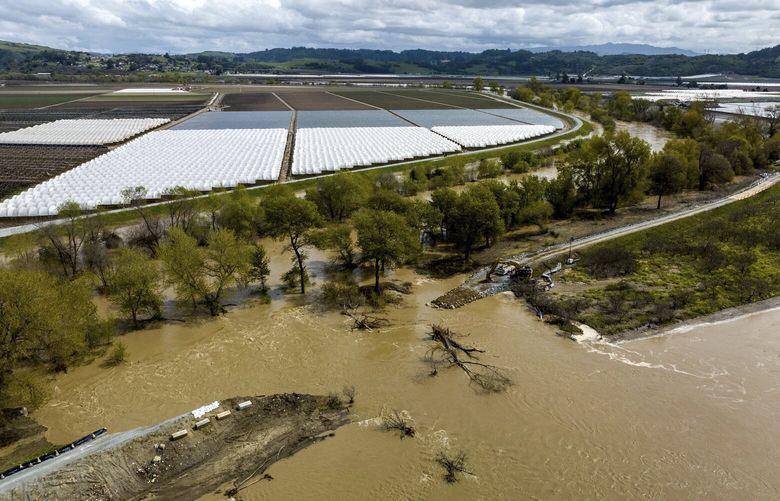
(395, 421)
(453, 465)
(366, 322)
(447, 352)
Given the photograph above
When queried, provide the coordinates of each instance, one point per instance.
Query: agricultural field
(245, 143)
(237, 120)
(325, 149)
(346, 118)
(82, 131)
(194, 159)
(149, 98)
(457, 99)
(452, 117)
(387, 100)
(252, 101)
(307, 100)
(32, 101)
(24, 166)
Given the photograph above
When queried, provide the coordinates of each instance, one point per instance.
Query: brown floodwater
(654, 136)
(688, 415)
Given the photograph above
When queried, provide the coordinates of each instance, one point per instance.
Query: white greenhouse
(195, 159)
(326, 149)
(82, 131)
(482, 136)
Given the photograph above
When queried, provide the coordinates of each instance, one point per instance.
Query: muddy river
(655, 137)
(689, 415)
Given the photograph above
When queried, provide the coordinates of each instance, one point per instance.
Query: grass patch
(696, 266)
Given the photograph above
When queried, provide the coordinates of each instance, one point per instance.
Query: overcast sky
(178, 26)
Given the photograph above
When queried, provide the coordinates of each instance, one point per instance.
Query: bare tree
(395, 421)
(453, 465)
(365, 322)
(447, 352)
(349, 392)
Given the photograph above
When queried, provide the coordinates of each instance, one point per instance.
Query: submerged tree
(447, 352)
(204, 274)
(294, 219)
(386, 238)
(134, 285)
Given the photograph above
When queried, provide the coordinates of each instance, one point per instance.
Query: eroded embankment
(236, 448)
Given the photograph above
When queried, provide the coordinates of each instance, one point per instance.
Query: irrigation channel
(690, 415)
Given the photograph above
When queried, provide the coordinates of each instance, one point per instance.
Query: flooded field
(689, 415)
(655, 137)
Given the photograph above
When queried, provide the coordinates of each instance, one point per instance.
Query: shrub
(118, 354)
(609, 261)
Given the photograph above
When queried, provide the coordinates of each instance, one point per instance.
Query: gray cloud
(245, 25)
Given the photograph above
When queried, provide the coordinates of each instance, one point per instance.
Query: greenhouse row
(86, 132)
(329, 149)
(483, 136)
(195, 159)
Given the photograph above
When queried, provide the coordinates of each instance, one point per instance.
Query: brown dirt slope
(236, 448)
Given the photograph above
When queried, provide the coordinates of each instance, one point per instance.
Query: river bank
(151, 465)
(713, 319)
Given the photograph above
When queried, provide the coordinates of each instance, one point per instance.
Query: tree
(67, 239)
(205, 274)
(610, 169)
(338, 196)
(714, 168)
(667, 176)
(338, 238)
(289, 217)
(183, 208)
(476, 214)
(444, 200)
(240, 213)
(687, 151)
(385, 238)
(260, 266)
(134, 285)
(479, 84)
(561, 193)
(154, 229)
(43, 320)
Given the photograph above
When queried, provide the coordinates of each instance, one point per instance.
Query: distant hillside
(614, 49)
(26, 59)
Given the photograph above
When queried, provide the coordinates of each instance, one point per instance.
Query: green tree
(291, 218)
(134, 285)
(478, 84)
(667, 176)
(240, 213)
(714, 168)
(43, 320)
(476, 215)
(337, 238)
(205, 273)
(68, 238)
(182, 209)
(260, 266)
(611, 169)
(561, 193)
(338, 196)
(386, 238)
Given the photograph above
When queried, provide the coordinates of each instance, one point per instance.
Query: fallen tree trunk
(448, 352)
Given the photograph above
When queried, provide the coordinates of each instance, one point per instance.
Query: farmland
(29, 101)
(252, 101)
(24, 166)
(249, 143)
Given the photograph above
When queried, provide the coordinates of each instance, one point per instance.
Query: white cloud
(246, 25)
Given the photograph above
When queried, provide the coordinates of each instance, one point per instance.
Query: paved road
(476, 287)
(102, 443)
